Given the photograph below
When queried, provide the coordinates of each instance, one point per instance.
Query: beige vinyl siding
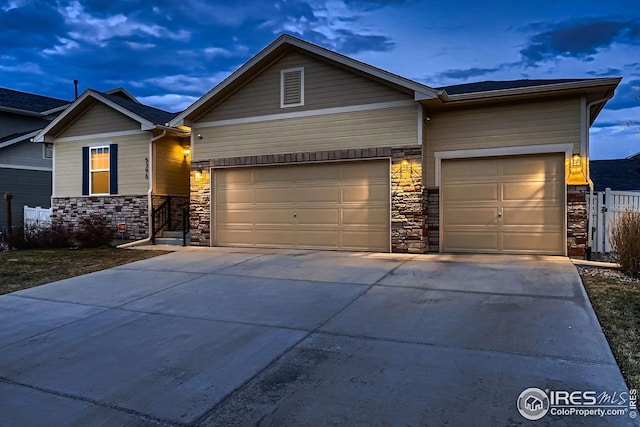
(99, 119)
(497, 126)
(171, 168)
(374, 128)
(132, 151)
(326, 86)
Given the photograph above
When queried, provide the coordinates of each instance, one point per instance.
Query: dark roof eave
(538, 89)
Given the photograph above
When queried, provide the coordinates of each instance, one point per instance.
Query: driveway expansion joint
(137, 414)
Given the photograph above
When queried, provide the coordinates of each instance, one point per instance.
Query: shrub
(625, 241)
(94, 231)
(34, 237)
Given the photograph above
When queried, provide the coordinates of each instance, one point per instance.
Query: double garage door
(341, 205)
(503, 205)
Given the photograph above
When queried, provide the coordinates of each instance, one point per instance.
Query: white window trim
(91, 149)
(567, 149)
(282, 73)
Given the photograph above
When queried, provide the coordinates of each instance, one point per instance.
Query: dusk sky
(168, 53)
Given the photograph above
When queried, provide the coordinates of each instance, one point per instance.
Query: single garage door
(504, 205)
(340, 205)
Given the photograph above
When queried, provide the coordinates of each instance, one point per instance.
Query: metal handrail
(164, 213)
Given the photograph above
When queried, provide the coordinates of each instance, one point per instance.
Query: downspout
(149, 195)
(587, 141)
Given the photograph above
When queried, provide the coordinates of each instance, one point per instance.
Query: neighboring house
(116, 157)
(25, 167)
(618, 174)
(302, 147)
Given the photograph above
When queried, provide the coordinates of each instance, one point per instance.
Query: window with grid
(99, 170)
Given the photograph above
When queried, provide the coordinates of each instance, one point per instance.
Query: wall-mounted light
(198, 174)
(186, 151)
(199, 136)
(576, 160)
(406, 165)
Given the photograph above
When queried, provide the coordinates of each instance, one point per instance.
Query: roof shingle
(15, 99)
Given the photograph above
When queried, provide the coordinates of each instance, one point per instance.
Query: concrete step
(174, 241)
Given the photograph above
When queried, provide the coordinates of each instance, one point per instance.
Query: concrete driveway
(214, 336)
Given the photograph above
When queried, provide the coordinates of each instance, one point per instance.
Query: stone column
(577, 220)
(407, 217)
(200, 207)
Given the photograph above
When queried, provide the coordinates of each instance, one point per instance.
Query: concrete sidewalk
(216, 336)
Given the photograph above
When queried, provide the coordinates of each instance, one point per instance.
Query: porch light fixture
(576, 160)
(198, 174)
(405, 164)
(186, 151)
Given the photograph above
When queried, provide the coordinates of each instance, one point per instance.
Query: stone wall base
(432, 218)
(577, 220)
(133, 211)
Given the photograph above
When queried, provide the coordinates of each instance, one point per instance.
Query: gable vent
(292, 87)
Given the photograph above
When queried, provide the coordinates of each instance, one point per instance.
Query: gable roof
(29, 103)
(148, 117)
(123, 93)
(618, 175)
(282, 45)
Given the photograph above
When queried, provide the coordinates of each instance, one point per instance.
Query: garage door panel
(274, 236)
(544, 216)
(318, 238)
(533, 242)
(470, 169)
(472, 192)
(471, 241)
(363, 171)
(233, 177)
(319, 194)
(235, 195)
(236, 216)
(320, 216)
(370, 216)
(366, 240)
(275, 195)
(533, 166)
(274, 216)
(341, 205)
(529, 194)
(353, 193)
(459, 216)
(532, 191)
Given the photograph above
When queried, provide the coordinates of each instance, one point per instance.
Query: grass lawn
(616, 301)
(27, 268)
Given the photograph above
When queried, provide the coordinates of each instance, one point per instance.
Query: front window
(99, 170)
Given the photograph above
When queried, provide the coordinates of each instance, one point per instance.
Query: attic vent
(292, 87)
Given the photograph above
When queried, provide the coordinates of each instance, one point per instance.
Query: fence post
(608, 217)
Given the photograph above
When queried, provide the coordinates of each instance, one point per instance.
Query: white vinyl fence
(37, 217)
(604, 208)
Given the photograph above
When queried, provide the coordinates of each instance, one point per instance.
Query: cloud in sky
(578, 39)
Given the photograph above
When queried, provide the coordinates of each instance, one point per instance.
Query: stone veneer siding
(577, 220)
(432, 218)
(200, 204)
(131, 210)
(407, 219)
